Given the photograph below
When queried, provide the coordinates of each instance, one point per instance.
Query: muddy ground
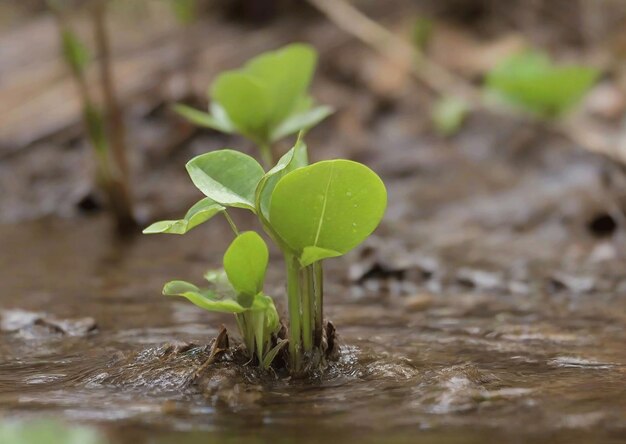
(489, 306)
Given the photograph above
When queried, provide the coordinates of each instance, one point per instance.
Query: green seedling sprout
(238, 289)
(529, 80)
(311, 212)
(105, 129)
(265, 100)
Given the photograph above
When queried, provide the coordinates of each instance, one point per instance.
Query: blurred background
(491, 301)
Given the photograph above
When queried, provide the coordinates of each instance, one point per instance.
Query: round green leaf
(245, 263)
(328, 208)
(228, 177)
(287, 74)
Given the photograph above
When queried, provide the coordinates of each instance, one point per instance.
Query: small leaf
(287, 74)
(246, 100)
(200, 118)
(295, 158)
(221, 117)
(271, 355)
(245, 263)
(202, 298)
(326, 209)
(448, 115)
(202, 211)
(228, 177)
(530, 81)
(301, 121)
(75, 53)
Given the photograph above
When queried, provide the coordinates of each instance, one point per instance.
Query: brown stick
(121, 191)
(114, 112)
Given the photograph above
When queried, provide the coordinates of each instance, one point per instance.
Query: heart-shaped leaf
(228, 177)
(202, 298)
(202, 211)
(296, 157)
(326, 209)
(245, 263)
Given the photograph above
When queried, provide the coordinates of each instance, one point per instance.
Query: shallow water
(466, 331)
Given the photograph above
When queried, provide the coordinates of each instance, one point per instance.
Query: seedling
(104, 128)
(530, 81)
(265, 101)
(312, 212)
(238, 289)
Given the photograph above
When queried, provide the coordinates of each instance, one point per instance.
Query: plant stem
(114, 113)
(293, 297)
(266, 155)
(231, 223)
(121, 197)
(306, 289)
(318, 286)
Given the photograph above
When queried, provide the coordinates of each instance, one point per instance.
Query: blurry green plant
(311, 212)
(265, 100)
(448, 115)
(47, 432)
(104, 128)
(532, 82)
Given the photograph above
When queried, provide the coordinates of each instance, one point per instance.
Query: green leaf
(271, 355)
(74, 52)
(326, 209)
(221, 117)
(202, 211)
(246, 101)
(228, 177)
(287, 74)
(449, 114)
(202, 298)
(245, 263)
(530, 80)
(301, 121)
(295, 158)
(200, 118)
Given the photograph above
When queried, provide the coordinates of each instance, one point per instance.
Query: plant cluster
(311, 212)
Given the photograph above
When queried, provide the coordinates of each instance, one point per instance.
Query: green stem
(267, 155)
(318, 285)
(306, 288)
(231, 223)
(293, 298)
